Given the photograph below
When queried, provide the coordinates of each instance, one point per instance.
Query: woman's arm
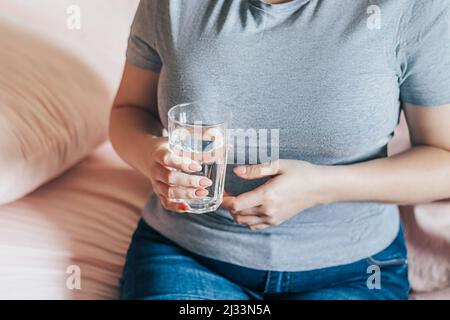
(421, 174)
(135, 132)
(134, 116)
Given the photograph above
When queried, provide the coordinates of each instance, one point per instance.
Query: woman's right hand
(172, 176)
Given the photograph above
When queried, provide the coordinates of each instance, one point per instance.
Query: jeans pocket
(388, 262)
(394, 255)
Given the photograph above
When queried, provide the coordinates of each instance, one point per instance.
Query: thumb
(258, 171)
(227, 201)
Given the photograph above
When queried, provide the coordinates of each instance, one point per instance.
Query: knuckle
(177, 161)
(252, 170)
(164, 175)
(171, 193)
(184, 163)
(243, 221)
(171, 177)
(157, 153)
(183, 167)
(166, 158)
(194, 181)
(191, 194)
(164, 190)
(272, 221)
(267, 212)
(234, 207)
(157, 187)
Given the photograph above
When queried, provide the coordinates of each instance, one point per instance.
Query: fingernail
(205, 182)
(201, 193)
(182, 206)
(240, 170)
(195, 167)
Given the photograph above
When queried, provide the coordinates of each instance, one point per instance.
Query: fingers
(248, 220)
(250, 215)
(252, 218)
(258, 217)
(261, 226)
(258, 171)
(246, 200)
(177, 178)
(169, 159)
(176, 192)
(173, 206)
(227, 201)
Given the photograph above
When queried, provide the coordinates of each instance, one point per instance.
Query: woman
(332, 76)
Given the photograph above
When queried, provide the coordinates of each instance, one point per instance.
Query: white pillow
(53, 112)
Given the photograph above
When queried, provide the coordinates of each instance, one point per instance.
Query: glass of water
(200, 133)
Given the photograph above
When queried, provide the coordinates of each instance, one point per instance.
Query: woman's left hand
(294, 186)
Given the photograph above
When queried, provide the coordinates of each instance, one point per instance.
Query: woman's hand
(294, 187)
(171, 176)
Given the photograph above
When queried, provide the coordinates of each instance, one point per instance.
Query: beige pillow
(53, 112)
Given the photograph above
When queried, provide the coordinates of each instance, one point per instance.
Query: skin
(421, 174)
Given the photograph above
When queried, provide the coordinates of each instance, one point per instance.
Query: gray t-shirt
(329, 74)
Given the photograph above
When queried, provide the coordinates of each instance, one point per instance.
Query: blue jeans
(158, 269)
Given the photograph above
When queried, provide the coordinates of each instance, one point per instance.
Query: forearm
(132, 132)
(421, 174)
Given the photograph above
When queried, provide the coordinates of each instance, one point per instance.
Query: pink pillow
(53, 112)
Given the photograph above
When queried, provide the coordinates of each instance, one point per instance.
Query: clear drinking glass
(201, 135)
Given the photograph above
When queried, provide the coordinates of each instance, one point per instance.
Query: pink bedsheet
(83, 218)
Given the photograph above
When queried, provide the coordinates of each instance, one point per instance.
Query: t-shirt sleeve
(141, 50)
(425, 54)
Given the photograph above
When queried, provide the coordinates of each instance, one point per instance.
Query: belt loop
(274, 282)
(268, 279)
(287, 282)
